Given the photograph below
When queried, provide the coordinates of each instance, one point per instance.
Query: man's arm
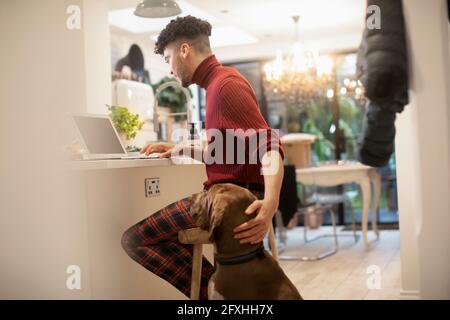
(273, 171)
(254, 231)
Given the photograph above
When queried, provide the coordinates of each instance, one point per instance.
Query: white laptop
(102, 140)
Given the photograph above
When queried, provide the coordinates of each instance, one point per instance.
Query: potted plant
(127, 124)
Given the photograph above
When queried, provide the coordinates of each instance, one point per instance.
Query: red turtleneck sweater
(231, 104)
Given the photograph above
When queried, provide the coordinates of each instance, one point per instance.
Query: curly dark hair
(192, 29)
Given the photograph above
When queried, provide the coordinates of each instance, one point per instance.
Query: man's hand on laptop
(167, 150)
(162, 148)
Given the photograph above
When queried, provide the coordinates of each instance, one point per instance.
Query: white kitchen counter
(115, 199)
(129, 163)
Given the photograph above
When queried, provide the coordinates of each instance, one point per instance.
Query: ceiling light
(125, 19)
(157, 9)
(301, 75)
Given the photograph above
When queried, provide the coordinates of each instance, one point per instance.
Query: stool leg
(333, 221)
(196, 271)
(273, 245)
(305, 226)
(280, 227)
(353, 223)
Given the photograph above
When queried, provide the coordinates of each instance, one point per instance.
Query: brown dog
(243, 271)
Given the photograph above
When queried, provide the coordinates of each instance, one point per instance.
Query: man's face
(175, 56)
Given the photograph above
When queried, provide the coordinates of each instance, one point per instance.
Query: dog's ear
(217, 211)
(200, 209)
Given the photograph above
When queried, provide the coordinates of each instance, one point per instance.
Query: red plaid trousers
(153, 243)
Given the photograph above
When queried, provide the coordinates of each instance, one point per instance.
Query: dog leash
(258, 253)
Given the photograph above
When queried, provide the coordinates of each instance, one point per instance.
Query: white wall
(42, 220)
(422, 144)
(409, 213)
(97, 55)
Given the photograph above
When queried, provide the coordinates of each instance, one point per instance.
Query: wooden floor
(344, 274)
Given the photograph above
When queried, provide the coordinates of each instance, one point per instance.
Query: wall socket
(152, 187)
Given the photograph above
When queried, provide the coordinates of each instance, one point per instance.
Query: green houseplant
(126, 123)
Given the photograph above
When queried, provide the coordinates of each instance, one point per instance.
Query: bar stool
(198, 237)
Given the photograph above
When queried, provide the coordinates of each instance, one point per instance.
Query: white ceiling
(222, 35)
(324, 24)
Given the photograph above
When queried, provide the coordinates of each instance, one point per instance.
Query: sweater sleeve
(239, 109)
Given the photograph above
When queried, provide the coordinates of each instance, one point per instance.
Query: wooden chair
(198, 238)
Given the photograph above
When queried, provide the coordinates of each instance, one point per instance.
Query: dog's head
(221, 208)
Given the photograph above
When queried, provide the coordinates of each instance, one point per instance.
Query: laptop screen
(99, 135)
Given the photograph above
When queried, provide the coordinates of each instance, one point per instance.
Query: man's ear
(185, 49)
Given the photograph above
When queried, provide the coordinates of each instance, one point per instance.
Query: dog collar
(258, 253)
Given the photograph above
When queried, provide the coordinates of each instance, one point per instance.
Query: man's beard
(184, 77)
(185, 80)
(185, 83)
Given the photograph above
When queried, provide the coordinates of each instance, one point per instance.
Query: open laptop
(102, 140)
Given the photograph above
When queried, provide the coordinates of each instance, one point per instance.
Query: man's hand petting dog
(254, 231)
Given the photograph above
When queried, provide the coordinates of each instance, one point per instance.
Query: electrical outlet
(152, 187)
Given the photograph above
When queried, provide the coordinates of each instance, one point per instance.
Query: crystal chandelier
(301, 76)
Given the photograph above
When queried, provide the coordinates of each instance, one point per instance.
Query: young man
(230, 104)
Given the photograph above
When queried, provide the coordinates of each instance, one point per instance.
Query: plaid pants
(153, 243)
